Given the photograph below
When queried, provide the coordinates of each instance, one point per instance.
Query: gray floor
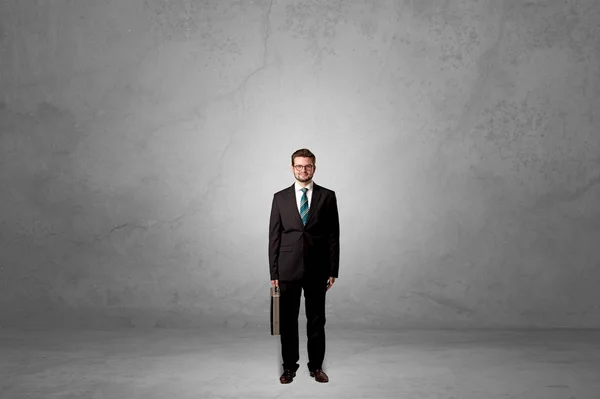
(245, 364)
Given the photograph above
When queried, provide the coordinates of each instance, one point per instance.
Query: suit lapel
(314, 202)
(293, 205)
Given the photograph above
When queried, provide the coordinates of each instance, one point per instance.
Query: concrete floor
(245, 364)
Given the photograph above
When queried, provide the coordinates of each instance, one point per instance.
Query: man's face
(303, 169)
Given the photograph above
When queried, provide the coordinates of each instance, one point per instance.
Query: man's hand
(330, 283)
(275, 283)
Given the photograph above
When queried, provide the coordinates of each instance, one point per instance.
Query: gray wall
(142, 141)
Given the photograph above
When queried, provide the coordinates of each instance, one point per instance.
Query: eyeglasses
(307, 167)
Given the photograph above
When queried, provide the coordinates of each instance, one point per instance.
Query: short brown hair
(304, 152)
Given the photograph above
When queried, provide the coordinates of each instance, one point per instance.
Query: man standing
(304, 254)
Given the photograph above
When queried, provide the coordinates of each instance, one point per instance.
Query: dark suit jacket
(294, 248)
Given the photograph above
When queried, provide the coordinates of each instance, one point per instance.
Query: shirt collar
(310, 186)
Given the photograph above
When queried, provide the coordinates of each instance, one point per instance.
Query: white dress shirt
(298, 188)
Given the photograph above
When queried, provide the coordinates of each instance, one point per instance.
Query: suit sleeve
(275, 229)
(333, 237)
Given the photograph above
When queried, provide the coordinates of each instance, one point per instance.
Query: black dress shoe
(287, 376)
(319, 375)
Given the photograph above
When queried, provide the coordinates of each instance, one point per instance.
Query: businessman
(304, 253)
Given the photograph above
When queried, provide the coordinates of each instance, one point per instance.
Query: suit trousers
(314, 303)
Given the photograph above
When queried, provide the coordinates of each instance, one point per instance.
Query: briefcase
(275, 294)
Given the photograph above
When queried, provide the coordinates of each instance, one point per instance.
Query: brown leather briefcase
(275, 294)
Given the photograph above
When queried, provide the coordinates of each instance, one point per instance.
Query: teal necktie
(304, 206)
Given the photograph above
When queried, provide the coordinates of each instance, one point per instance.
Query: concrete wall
(141, 143)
